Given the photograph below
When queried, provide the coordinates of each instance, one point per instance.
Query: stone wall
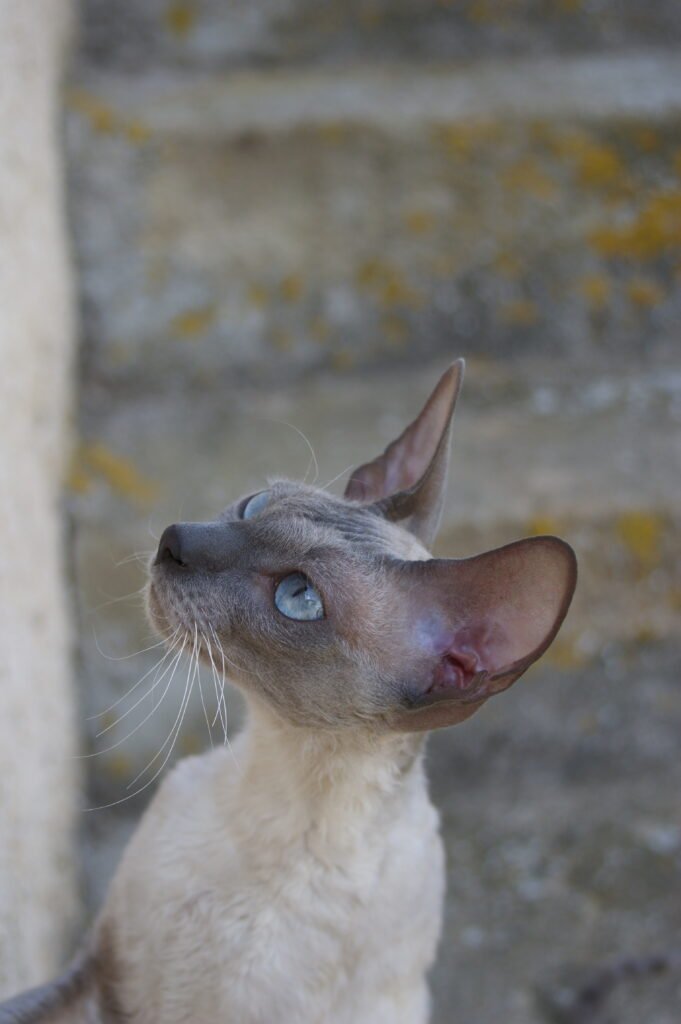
(289, 216)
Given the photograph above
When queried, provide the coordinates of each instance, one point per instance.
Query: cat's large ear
(471, 627)
(408, 481)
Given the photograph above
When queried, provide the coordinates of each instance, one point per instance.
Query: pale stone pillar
(38, 776)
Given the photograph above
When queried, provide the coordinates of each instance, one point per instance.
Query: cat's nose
(170, 546)
(208, 546)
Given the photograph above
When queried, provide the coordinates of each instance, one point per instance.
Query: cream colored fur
(37, 735)
(298, 878)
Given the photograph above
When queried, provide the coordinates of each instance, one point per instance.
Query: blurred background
(286, 218)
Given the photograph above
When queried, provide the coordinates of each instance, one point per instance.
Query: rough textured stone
(132, 34)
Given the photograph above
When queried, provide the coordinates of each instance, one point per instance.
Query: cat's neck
(334, 784)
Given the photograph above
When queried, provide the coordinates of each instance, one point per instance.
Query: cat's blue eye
(296, 598)
(255, 504)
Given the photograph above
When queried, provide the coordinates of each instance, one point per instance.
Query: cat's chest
(322, 926)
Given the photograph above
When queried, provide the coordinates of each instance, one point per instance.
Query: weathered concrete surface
(37, 734)
(199, 34)
(275, 223)
(276, 228)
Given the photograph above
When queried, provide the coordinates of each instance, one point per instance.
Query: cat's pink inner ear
(479, 623)
(406, 461)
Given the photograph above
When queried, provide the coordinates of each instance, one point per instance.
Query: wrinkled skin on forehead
(406, 642)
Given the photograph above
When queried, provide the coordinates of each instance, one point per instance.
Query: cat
(300, 877)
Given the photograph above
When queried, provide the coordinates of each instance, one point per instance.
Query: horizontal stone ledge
(392, 97)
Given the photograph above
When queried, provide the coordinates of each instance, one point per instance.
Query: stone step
(134, 34)
(271, 224)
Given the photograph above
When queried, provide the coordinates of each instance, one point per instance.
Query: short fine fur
(300, 878)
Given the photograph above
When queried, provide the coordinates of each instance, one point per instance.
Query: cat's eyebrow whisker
(171, 667)
(337, 477)
(132, 707)
(173, 642)
(313, 457)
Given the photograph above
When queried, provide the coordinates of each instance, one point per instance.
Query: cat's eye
(296, 598)
(255, 504)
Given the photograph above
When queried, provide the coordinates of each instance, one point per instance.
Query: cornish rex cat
(306, 885)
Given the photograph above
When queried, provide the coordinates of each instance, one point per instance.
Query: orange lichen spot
(100, 116)
(599, 166)
(644, 292)
(343, 359)
(419, 222)
(654, 232)
(291, 288)
(596, 289)
(520, 313)
(193, 322)
(528, 176)
(539, 526)
(120, 473)
(641, 533)
(180, 19)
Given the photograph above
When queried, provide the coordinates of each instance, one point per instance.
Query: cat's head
(332, 610)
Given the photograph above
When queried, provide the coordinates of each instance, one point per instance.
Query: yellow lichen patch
(136, 131)
(118, 766)
(539, 526)
(118, 472)
(77, 478)
(388, 284)
(193, 322)
(180, 19)
(281, 340)
(191, 742)
(527, 176)
(419, 222)
(596, 289)
(520, 313)
(644, 292)
(104, 120)
(394, 331)
(641, 533)
(599, 166)
(462, 139)
(343, 359)
(291, 288)
(509, 265)
(654, 232)
(320, 329)
(645, 138)
(565, 654)
(333, 132)
(100, 116)
(257, 295)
